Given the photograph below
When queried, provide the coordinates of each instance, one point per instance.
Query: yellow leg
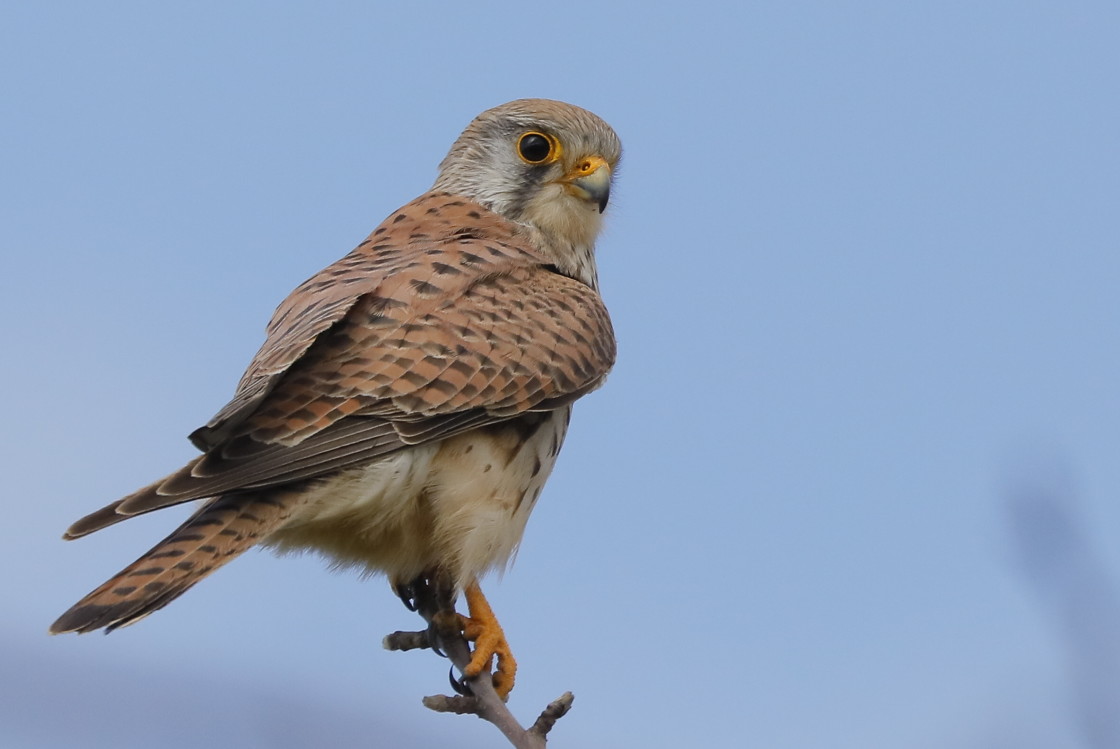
(482, 628)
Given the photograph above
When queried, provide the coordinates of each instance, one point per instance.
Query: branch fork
(478, 696)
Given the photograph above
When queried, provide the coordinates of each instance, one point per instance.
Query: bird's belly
(459, 505)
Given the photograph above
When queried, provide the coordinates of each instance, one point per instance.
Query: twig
(556, 710)
(483, 700)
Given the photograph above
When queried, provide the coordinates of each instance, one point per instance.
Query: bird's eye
(535, 148)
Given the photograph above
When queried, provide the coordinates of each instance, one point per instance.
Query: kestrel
(409, 400)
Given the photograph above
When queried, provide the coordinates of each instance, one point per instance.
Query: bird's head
(542, 163)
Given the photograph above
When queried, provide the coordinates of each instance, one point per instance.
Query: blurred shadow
(1077, 593)
(48, 701)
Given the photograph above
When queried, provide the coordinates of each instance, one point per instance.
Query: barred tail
(221, 529)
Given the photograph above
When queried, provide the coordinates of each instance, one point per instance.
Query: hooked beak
(590, 180)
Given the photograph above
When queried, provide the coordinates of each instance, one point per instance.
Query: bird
(409, 401)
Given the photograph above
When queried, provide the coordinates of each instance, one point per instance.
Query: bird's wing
(443, 321)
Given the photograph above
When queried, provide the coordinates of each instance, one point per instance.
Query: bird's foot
(482, 628)
(436, 603)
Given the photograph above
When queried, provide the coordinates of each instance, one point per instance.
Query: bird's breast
(459, 505)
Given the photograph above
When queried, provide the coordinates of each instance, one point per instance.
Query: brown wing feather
(442, 321)
(383, 265)
(505, 343)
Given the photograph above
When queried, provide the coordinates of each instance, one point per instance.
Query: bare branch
(481, 700)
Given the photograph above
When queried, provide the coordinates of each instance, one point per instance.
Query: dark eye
(534, 148)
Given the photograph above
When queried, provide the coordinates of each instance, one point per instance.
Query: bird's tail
(221, 529)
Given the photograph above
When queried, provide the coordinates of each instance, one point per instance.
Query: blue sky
(863, 261)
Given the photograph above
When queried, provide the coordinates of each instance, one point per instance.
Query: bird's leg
(482, 628)
(433, 597)
(427, 594)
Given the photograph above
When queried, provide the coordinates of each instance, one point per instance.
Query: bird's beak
(590, 180)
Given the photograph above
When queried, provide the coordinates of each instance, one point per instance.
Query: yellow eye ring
(538, 148)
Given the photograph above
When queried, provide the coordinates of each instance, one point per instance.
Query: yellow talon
(482, 628)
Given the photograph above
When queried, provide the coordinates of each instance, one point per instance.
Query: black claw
(407, 594)
(460, 685)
